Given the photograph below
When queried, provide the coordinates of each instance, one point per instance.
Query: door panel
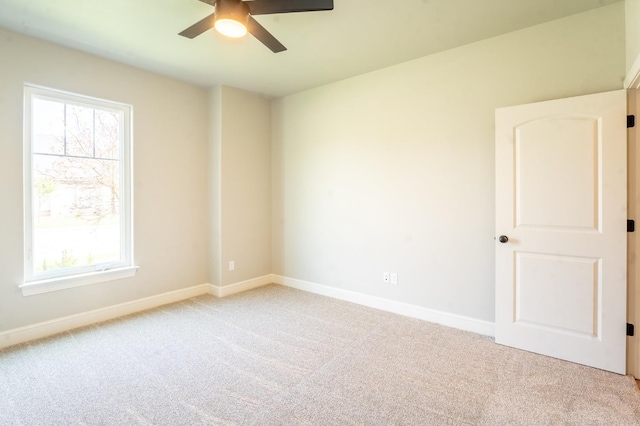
(561, 201)
(575, 284)
(566, 200)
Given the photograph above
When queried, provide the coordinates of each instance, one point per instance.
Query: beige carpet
(276, 356)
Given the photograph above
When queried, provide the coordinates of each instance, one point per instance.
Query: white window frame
(74, 277)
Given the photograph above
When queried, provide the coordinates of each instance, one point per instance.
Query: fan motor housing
(232, 9)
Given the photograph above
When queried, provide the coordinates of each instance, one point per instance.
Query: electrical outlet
(385, 277)
(232, 265)
(394, 278)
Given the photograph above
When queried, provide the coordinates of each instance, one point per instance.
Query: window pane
(79, 131)
(107, 134)
(48, 126)
(77, 189)
(76, 212)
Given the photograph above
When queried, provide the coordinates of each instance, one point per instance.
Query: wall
(214, 180)
(632, 32)
(241, 186)
(170, 176)
(394, 170)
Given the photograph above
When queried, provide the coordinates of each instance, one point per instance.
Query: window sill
(55, 284)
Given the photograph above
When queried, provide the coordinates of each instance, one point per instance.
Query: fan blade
(199, 27)
(264, 36)
(266, 7)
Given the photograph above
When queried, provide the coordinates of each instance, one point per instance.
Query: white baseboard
(486, 328)
(59, 325)
(241, 286)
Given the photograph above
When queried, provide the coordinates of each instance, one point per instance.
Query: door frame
(633, 238)
(632, 84)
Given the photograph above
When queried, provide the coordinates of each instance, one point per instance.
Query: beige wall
(394, 170)
(241, 186)
(632, 30)
(214, 239)
(170, 176)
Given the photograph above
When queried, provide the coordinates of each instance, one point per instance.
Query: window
(77, 190)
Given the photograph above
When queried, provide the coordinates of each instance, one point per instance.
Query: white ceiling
(358, 36)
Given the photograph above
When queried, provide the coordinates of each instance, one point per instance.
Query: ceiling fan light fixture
(234, 18)
(230, 27)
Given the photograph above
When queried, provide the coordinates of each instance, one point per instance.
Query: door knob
(503, 238)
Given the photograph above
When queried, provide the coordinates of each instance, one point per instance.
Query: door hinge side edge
(631, 121)
(630, 330)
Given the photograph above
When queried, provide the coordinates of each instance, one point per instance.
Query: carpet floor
(277, 356)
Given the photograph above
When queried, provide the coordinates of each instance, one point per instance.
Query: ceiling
(358, 36)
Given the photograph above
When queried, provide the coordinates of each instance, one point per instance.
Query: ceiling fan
(233, 18)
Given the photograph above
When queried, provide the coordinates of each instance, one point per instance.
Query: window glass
(76, 186)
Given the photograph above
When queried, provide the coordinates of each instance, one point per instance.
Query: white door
(561, 176)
